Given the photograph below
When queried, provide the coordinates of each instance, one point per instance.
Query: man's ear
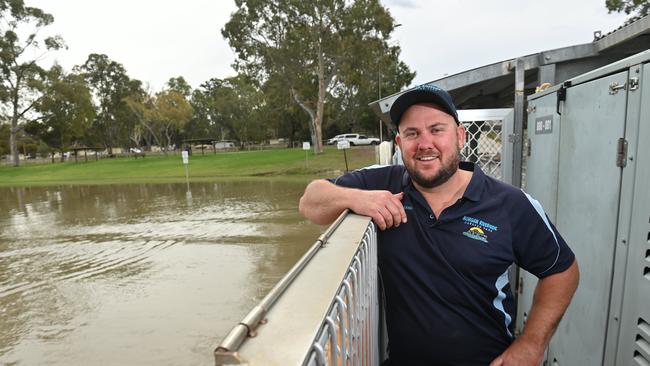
(461, 135)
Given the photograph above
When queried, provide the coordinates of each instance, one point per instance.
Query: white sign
(343, 144)
(306, 146)
(186, 157)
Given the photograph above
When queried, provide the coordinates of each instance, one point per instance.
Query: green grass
(275, 164)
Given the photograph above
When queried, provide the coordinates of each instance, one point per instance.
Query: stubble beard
(446, 171)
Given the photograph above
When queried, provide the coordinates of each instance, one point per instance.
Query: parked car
(354, 139)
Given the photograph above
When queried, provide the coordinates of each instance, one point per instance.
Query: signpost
(306, 146)
(186, 161)
(344, 145)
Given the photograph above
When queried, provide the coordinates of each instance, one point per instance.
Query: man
(449, 234)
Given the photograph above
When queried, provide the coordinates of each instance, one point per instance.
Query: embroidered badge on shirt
(479, 229)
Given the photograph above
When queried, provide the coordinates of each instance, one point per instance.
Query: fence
(325, 311)
(349, 334)
(488, 140)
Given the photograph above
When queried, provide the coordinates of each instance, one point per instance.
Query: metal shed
(589, 165)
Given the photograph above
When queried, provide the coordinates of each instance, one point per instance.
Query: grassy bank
(280, 164)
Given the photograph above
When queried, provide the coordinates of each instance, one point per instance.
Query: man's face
(430, 142)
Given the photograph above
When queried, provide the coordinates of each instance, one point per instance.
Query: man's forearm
(552, 297)
(323, 201)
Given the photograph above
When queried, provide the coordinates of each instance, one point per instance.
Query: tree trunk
(13, 138)
(13, 143)
(320, 104)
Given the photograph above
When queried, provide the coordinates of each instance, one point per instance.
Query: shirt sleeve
(355, 179)
(372, 178)
(538, 246)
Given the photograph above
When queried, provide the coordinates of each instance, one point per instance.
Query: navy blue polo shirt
(448, 297)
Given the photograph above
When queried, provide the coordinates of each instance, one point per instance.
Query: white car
(354, 139)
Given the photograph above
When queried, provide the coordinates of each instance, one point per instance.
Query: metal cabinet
(589, 165)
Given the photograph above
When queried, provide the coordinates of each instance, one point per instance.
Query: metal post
(381, 130)
(517, 137)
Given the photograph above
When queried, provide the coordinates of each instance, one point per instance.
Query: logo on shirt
(476, 233)
(479, 229)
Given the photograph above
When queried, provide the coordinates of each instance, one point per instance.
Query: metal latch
(621, 153)
(561, 95)
(634, 83)
(615, 87)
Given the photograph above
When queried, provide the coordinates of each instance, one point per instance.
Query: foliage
(179, 84)
(110, 85)
(316, 46)
(228, 109)
(66, 111)
(21, 47)
(640, 7)
(160, 117)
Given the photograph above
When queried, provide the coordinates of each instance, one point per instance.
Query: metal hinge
(621, 153)
(614, 87)
(634, 83)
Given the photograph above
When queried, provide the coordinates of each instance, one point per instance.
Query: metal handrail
(227, 349)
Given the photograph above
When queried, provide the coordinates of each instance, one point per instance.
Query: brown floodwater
(139, 274)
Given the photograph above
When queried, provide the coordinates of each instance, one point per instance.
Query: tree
(162, 116)
(180, 85)
(641, 7)
(21, 76)
(229, 108)
(110, 85)
(66, 110)
(310, 43)
(172, 112)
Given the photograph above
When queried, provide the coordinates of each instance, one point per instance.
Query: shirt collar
(474, 189)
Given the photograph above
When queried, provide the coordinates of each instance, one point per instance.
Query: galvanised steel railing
(349, 334)
(325, 311)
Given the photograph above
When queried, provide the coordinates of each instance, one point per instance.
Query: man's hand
(520, 353)
(324, 201)
(385, 208)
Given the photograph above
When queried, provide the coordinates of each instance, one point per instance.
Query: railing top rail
(285, 326)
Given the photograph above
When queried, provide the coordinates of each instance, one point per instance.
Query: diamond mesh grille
(483, 146)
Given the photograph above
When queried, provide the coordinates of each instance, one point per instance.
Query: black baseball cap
(423, 94)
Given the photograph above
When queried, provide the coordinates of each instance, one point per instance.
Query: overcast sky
(159, 39)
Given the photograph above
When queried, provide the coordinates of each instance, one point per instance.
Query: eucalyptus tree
(229, 108)
(65, 110)
(110, 86)
(161, 116)
(22, 46)
(312, 44)
(180, 85)
(640, 7)
(172, 112)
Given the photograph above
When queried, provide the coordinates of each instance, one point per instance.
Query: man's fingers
(403, 218)
(388, 216)
(379, 221)
(396, 215)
